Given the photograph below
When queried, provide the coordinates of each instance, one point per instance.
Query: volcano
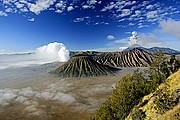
(136, 57)
(83, 66)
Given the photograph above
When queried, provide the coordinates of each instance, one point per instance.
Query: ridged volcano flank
(136, 57)
(82, 66)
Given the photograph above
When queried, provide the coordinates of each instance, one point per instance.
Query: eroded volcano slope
(133, 58)
(83, 66)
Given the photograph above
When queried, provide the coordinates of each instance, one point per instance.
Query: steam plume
(133, 38)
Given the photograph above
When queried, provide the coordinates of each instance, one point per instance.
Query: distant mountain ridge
(165, 50)
(154, 49)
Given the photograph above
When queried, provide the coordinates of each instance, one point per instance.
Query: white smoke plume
(133, 38)
(132, 43)
(53, 52)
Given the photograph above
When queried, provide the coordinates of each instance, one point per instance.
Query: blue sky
(86, 24)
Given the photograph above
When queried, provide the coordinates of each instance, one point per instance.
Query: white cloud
(61, 4)
(109, 7)
(46, 54)
(131, 24)
(59, 11)
(149, 40)
(3, 13)
(9, 10)
(149, 7)
(91, 2)
(171, 27)
(40, 5)
(53, 52)
(70, 8)
(79, 19)
(143, 26)
(19, 5)
(125, 12)
(99, 2)
(122, 48)
(31, 19)
(24, 9)
(137, 13)
(152, 14)
(110, 37)
(86, 6)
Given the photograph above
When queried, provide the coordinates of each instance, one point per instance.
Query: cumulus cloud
(152, 14)
(53, 52)
(171, 27)
(70, 8)
(40, 5)
(125, 12)
(19, 5)
(45, 54)
(149, 6)
(110, 37)
(3, 13)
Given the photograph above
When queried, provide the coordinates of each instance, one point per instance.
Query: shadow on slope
(83, 66)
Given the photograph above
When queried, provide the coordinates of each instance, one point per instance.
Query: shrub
(164, 102)
(126, 94)
(138, 114)
(130, 90)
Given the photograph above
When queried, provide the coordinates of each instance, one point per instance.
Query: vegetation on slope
(132, 88)
(83, 66)
(163, 104)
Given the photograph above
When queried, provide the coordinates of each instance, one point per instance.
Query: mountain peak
(83, 66)
(132, 47)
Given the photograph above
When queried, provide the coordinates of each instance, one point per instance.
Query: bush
(125, 96)
(130, 90)
(138, 114)
(164, 102)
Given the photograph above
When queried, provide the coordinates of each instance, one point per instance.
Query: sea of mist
(45, 54)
